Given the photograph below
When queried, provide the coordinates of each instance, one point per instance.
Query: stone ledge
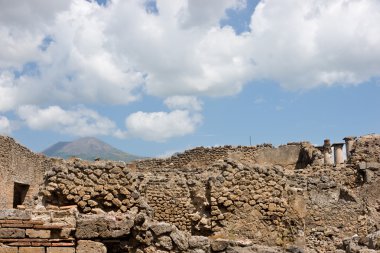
(43, 244)
(15, 214)
(36, 240)
(16, 225)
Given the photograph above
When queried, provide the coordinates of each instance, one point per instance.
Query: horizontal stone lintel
(31, 225)
(10, 240)
(50, 226)
(11, 221)
(34, 222)
(41, 244)
(16, 225)
(62, 244)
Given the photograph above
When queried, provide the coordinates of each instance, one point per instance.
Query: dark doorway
(19, 193)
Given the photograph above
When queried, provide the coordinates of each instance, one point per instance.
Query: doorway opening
(19, 193)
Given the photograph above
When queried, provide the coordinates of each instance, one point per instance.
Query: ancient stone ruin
(292, 198)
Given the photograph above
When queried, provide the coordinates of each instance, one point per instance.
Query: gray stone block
(15, 214)
(12, 233)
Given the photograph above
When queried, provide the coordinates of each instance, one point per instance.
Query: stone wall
(286, 155)
(174, 193)
(37, 232)
(201, 201)
(198, 201)
(366, 149)
(19, 165)
(250, 192)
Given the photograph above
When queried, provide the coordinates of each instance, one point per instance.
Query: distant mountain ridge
(88, 148)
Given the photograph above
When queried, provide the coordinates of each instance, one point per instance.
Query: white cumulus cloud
(304, 44)
(184, 103)
(85, 53)
(5, 125)
(161, 126)
(74, 52)
(79, 122)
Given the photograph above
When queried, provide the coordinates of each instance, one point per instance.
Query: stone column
(349, 145)
(338, 153)
(326, 149)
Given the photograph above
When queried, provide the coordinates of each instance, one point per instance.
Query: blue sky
(153, 78)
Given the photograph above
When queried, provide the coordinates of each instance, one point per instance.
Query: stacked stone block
(197, 157)
(104, 185)
(21, 233)
(170, 204)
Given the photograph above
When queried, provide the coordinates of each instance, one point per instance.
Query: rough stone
(37, 233)
(85, 246)
(8, 249)
(166, 242)
(60, 250)
(180, 239)
(198, 242)
(161, 228)
(31, 250)
(219, 245)
(12, 233)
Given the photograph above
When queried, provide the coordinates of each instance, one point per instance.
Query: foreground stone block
(14, 214)
(8, 250)
(161, 228)
(180, 239)
(60, 250)
(198, 242)
(31, 250)
(89, 227)
(166, 242)
(219, 245)
(374, 240)
(85, 246)
(36, 233)
(12, 233)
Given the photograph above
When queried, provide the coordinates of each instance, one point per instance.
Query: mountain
(88, 148)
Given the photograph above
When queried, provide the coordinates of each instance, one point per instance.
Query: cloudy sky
(156, 77)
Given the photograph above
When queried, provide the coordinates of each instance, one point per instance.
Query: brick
(49, 226)
(12, 233)
(31, 250)
(10, 221)
(17, 225)
(34, 222)
(68, 207)
(20, 244)
(62, 244)
(17, 240)
(60, 250)
(8, 250)
(7, 240)
(37, 244)
(62, 240)
(36, 233)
